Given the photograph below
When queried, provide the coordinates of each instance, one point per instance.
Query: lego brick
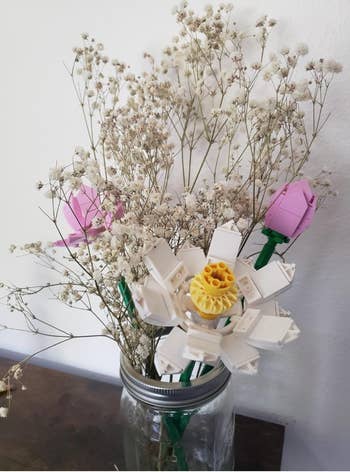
(237, 355)
(235, 310)
(247, 322)
(271, 307)
(249, 289)
(193, 259)
(225, 244)
(260, 285)
(226, 328)
(202, 345)
(272, 332)
(288, 270)
(284, 313)
(155, 305)
(273, 278)
(176, 278)
(243, 267)
(291, 209)
(240, 322)
(164, 266)
(168, 358)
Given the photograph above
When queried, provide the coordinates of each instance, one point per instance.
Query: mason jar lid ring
(173, 395)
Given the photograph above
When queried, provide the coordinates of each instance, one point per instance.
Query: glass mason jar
(171, 426)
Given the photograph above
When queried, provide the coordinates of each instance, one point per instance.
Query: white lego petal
(249, 289)
(258, 286)
(241, 324)
(155, 305)
(163, 366)
(203, 345)
(247, 322)
(235, 310)
(193, 258)
(164, 267)
(228, 328)
(272, 332)
(176, 278)
(243, 267)
(272, 279)
(237, 355)
(293, 334)
(289, 270)
(225, 244)
(169, 354)
(234, 313)
(251, 368)
(283, 312)
(270, 307)
(226, 325)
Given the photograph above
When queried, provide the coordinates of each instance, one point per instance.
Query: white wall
(306, 385)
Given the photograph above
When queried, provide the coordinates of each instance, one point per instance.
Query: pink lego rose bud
(290, 212)
(291, 209)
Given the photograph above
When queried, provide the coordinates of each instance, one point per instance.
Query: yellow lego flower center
(213, 291)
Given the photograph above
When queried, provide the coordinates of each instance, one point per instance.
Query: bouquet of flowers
(184, 163)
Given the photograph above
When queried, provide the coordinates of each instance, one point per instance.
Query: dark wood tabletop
(69, 422)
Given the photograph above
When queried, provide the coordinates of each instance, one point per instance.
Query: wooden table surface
(69, 422)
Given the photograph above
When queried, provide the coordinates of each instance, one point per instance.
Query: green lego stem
(175, 428)
(185, 377)
(273, 238)
(176, 423)
(126, 296)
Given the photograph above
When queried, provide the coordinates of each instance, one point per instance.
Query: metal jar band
(173, 395)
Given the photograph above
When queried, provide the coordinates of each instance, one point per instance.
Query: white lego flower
(254, 321)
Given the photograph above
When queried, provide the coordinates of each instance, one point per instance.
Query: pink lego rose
(82, 209)
(291, 209)
(290, 212)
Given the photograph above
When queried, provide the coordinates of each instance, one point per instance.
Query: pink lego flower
(291, 209)
(80, 213)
